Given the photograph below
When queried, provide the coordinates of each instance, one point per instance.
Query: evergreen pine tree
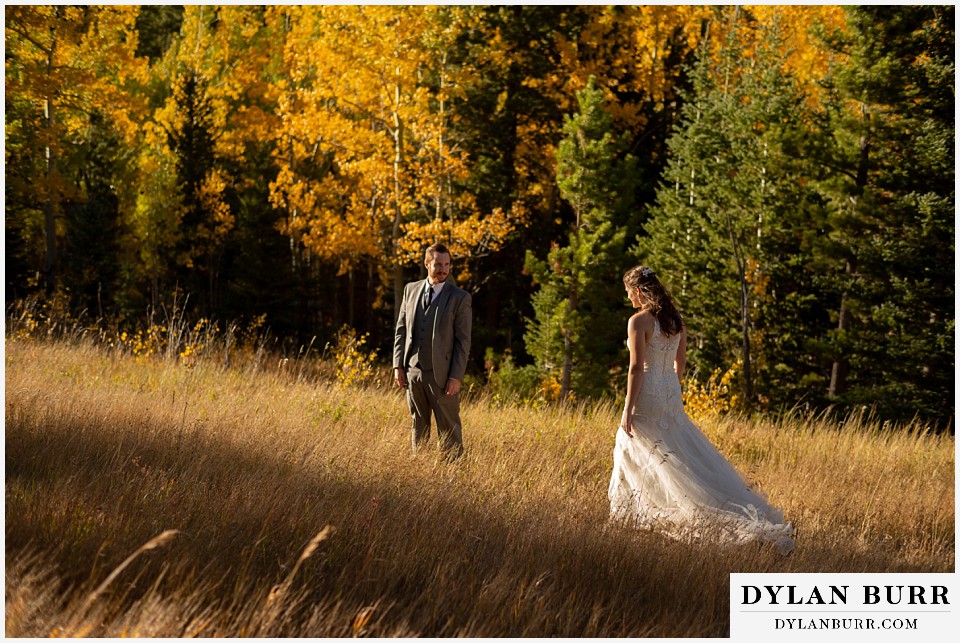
(92, 223)
(724, 222)
(193, 147)
(887, 258)
(575, 331)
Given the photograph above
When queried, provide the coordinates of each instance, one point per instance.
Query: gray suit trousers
(425, 395)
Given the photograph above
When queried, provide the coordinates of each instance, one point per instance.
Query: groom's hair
(436, 249)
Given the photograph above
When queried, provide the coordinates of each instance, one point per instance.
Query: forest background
(788, 171)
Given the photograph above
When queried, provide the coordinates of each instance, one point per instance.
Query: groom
(430, 349)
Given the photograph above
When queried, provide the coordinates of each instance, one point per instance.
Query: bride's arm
(681, 360)
(637, 343)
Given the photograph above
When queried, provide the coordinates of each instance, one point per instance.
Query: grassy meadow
(150, 497)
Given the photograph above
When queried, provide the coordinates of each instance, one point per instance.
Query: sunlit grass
(105, 452)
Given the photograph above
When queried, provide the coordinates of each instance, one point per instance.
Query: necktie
(428, 297)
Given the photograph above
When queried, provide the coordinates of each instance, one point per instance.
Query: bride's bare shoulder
(642, 320)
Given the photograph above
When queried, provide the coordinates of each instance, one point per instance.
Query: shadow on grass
(434, 558)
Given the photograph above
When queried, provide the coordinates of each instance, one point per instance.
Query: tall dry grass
(144, 498)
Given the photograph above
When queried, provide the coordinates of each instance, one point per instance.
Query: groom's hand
(453, 387)
(400, 377)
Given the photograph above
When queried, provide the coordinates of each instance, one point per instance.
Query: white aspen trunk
(439, 214)
(50, 160)
(398, 208)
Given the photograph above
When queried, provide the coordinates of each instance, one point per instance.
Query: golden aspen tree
(804, 56)
(807, 60)
(367, 171)
(221, 101)
(64, 64)
(511, 121)
(239, 52)
(633, 52)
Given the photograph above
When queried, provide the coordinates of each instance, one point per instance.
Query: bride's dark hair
(660, 302)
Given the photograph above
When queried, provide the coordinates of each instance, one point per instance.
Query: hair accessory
(647, 272)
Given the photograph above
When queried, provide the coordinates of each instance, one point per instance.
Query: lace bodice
(661, 352)
(659, 367)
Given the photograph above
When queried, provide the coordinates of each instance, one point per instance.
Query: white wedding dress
(670, 478)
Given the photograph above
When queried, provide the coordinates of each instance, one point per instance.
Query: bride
(666, 474)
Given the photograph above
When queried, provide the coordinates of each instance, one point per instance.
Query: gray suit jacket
(450, 333)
